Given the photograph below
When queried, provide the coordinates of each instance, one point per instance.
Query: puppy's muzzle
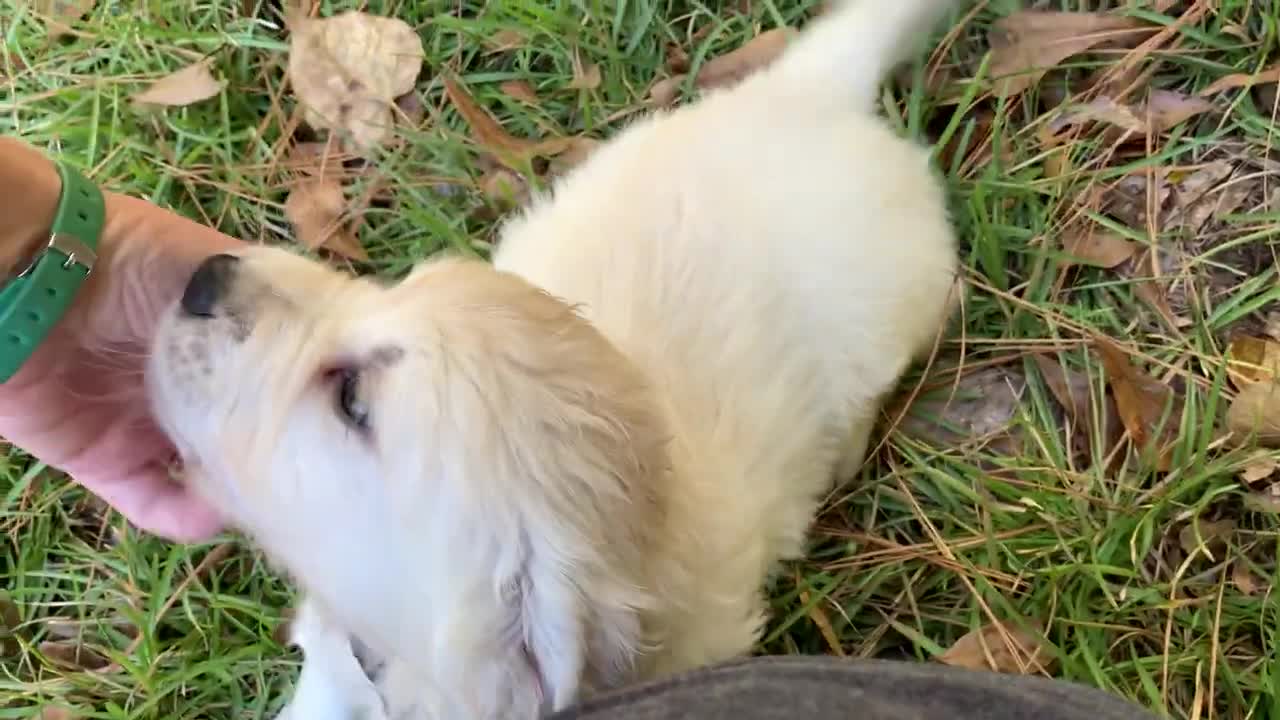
(209, 285)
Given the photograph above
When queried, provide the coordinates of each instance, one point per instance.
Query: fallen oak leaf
(1163, 110)
(1252, 359)
(1259, 468)
(1166, 109)
(411, 109)
(505, 188)
(1244, 579)
(574, 155)
(1069, 388)
(315, 208)
(1001, 648)
(735, 65)
(348, 70)
(586, 77)
(1028, 43)
(1212, 535)
(979, 409)
(1150, 410)
(1255, 414)
(520, 90)
(1267, 501)
(490, 135)
(191, 84)
(727, 69)
(1090, 244)
(72, 656)
(1239, 80)
(504, 40)
(1074, 392)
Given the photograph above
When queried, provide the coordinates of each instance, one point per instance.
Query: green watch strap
(33, 302)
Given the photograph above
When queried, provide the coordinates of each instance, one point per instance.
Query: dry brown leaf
(665, 91)
(73, 656)
(1259, 468)
(1090, 244)
(979, 408)
(191, 84)
(1150, 410)
(1203, 194)
(727, 69)
(1212, 534)
(348, 70)
(1074, 392)
(1252, 359)
(1238, 80)
(504, 40)
(1012, 650)
(55, 712)
(574, 155)
(1101, 109)
(1069, 388)
(1163, 109)
(316, 209)
(520, 90)
(1153, 289)
(490, 135)
(1028, 43)
(1266, 501)
(677, 59)
(411, 109)
(1244, 579)
(58, 14)
(733, 66)
(505, 188)
(1255, 414)
(586, 77)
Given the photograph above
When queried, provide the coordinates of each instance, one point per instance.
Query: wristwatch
(37, 298)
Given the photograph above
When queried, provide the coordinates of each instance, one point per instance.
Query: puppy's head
(459, 468)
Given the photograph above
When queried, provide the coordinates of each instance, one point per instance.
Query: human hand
(78, 403)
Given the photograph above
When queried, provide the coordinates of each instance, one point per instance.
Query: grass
(1015, 512)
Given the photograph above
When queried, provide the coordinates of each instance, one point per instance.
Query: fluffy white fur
(581, 464)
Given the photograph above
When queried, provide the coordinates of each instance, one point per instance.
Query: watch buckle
(77, 252)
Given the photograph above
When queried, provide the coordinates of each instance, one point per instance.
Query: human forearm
(29, 189)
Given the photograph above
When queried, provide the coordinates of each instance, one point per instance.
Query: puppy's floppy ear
(563, 454)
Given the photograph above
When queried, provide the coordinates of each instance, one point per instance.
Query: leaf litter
(1003, 648)
(1150, 410)
(1028, 43)
(728, 69)
(59, 14)
(347, 71)
(189, 85)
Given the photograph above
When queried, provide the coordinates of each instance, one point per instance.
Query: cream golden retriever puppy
(505, 487)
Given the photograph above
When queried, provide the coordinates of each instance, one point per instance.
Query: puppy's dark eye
(351, 402)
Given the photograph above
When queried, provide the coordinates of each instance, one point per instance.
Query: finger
(155, 503)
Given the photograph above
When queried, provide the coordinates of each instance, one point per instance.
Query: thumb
(152, 501)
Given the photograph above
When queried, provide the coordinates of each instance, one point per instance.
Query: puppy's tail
(850, 49)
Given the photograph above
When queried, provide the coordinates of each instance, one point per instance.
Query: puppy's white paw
(332, 684)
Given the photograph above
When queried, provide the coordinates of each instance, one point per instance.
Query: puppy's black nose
(209, 284)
